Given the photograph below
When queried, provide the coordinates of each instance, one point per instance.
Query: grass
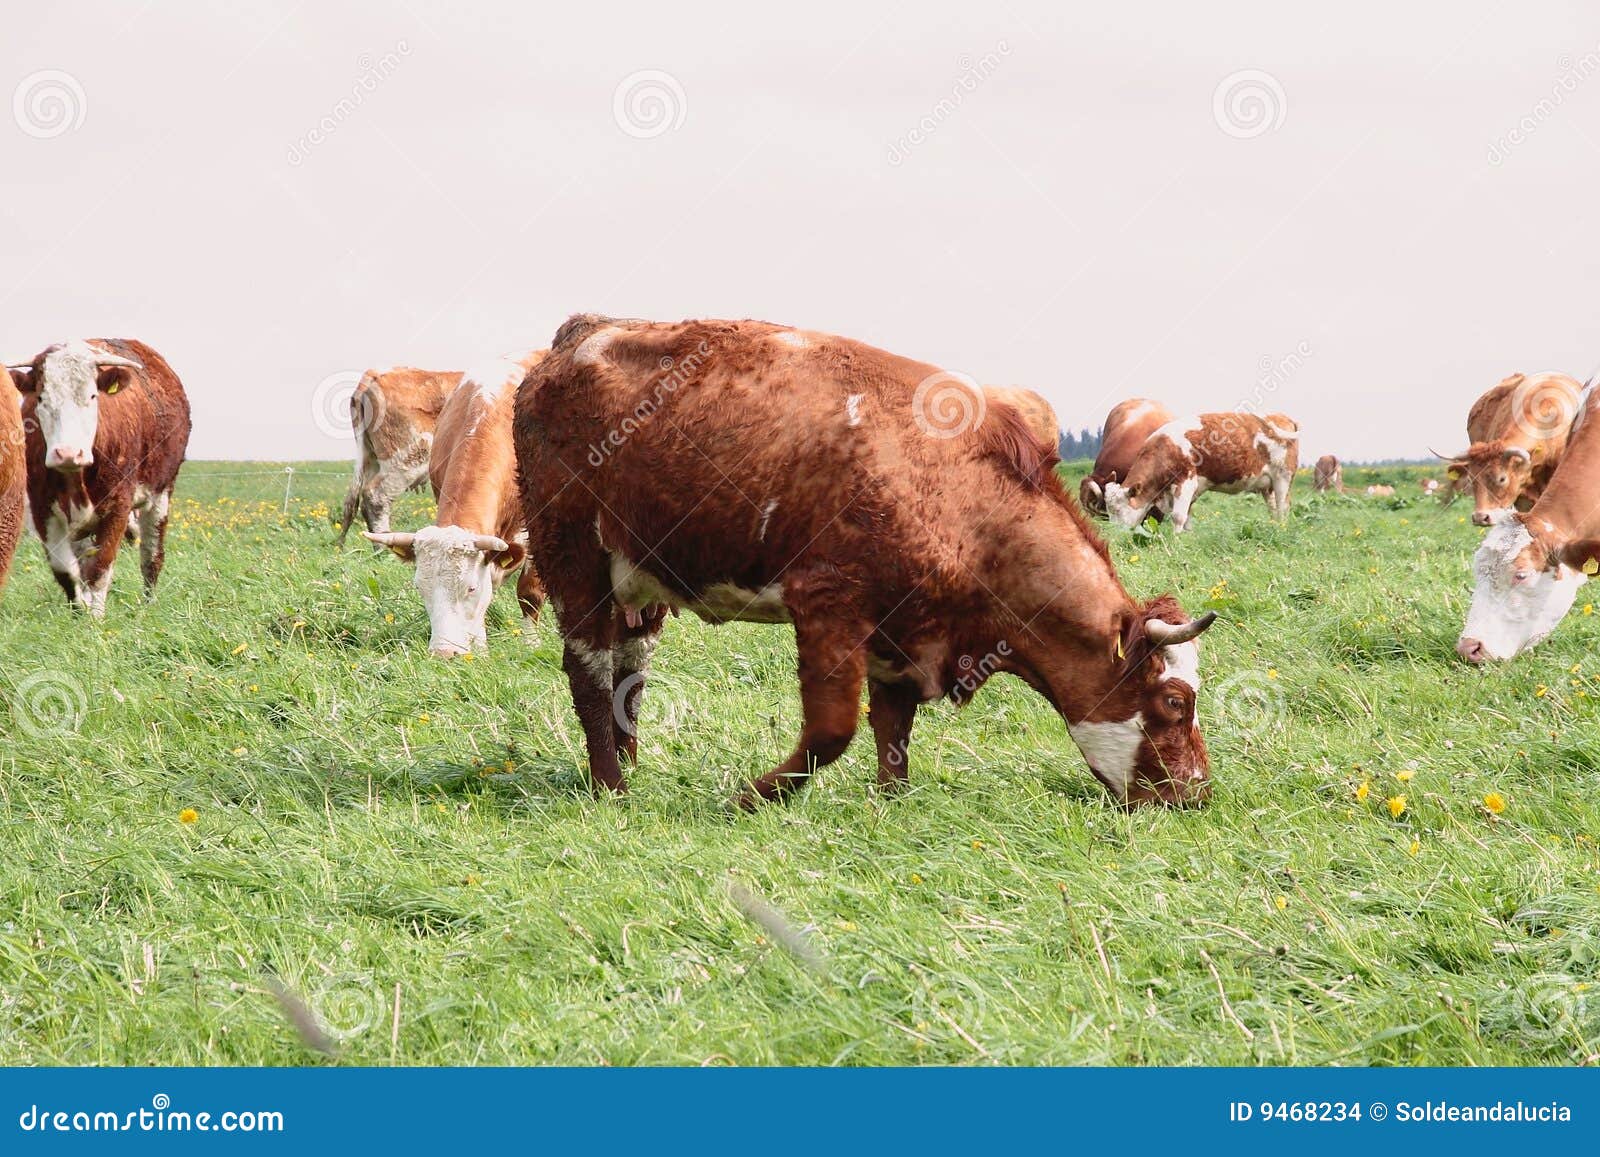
(369, 822)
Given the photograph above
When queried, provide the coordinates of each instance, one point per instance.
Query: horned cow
(1127, 428)
(107, 426)
(1518, 431)
(660, 469)
(1234, 453)
(477, 538)
(393, 414)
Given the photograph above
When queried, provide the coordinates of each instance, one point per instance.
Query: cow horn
(20, 366)
(1165, 634)
(488, 543)
(1518, 452)
(1094, 487)
(101, 359)
(389, 538)
(1444, 457)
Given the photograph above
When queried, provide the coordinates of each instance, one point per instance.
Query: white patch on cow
(1177, 432)
(766, 518)
(792, 337)
(1275, 450)
(457, 582)
(59, 550)
(633, 653)
(1508, 615)
(493, 377)
(592, 350)
(852, 410)
(597, 663)
(68, 409)
(1118, 506)
(1112, 749)
(1179, 499)
(1183, 663)
(634, 587)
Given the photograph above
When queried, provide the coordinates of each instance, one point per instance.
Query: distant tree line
(1084, 444)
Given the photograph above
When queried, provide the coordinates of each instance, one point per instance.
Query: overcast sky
(1382, 212)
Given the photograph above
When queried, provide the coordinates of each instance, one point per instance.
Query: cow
(477, 539)
(107, 428)
(1518, 431)
(393, 413)
(1234, 453)
(1380, 490)
(1530, 564)
(13, 473)
(1327, 475)
(1429, 487)
(1037, 414)
(748, 471)
(1127, 428)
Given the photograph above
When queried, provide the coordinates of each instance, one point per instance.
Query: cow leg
(97, 563)
(892, 710)
(630, 667)
(153, 539)
(352, 497)
(580, 594)
(1182, 500)
(59, 549)
(833, 665)
(390, 482)
(530, 597)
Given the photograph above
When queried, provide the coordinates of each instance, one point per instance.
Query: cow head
(1498, 472)
(1526, 578)
(1152, 483)
(1091, 492)
(66, 383)
(457, 574)
(1142, 738)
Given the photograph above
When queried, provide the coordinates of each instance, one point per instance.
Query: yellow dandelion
(1416, 846)
(1540, 691)
(1397, 805)
(1405, 776)
(510, 765)
(1272, 672)
(1588, 608)
(388, 617)
(1133, 558)
(1282, 902)
(241, 648)
(188, 816)
(423, 718)
(466, 656)
(916, 879)
(978, 845)
(1363, 791)
(473, 879)
(240, 751)
(1495, 802)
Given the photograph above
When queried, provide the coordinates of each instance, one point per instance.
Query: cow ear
(510, 558)
(112, 379)
(1582, 555)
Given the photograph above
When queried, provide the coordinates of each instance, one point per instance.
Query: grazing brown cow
(1235, 453)
(1037, 414)
(13, 472)
(477, 538)
(393, 413)
(1518, 432)
(1327, 475)
(752, 472)
(1530, 565)
(107, 428)
(1127, 428)
(1380, 490)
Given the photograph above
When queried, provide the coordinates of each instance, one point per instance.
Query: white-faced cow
(13, 472)
(107, 428)
(746, 471)
(1128, 427)
(1530, 564)
(393, 413)
(477, 538)
(1518, 431)
(1327, 476)
(1235, 453)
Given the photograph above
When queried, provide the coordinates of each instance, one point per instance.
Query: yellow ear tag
(1591, 566)
(113, 388)
(1452, 474)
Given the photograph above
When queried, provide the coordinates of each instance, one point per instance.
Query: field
(261, 778)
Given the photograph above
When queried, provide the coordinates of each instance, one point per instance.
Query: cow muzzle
(69, 459)
(1482, 517)
(1471, 650)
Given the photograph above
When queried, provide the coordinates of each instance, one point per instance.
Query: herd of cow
(907, 522)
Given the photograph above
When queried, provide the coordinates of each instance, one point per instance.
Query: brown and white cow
(1530, 564)
(477, 538)
(13, 472)
(1037, 414)
(1235, 453)
(1518, 431)
(393, 413)
(1128, 427)
(750, 472)
(1327, 475)
(107, 426)
(1380, 490)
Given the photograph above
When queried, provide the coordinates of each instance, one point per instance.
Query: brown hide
(1126, 429)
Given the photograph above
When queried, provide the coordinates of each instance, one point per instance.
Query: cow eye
(1175, 702)
(1520, 576)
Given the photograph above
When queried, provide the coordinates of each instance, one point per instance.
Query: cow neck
(1567, 504)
